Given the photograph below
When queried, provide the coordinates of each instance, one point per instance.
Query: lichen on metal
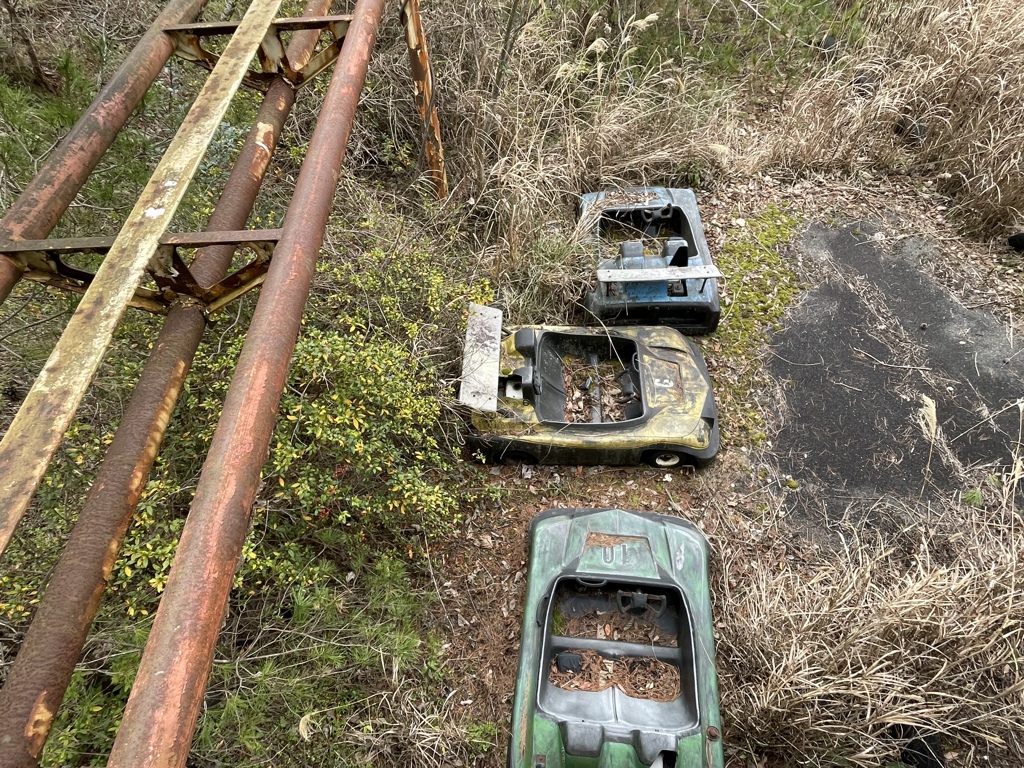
(46, 413)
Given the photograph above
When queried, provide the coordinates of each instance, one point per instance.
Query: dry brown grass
(821, 653)
(105, 30)
(935, 88)
(404, 728)
(572, 107)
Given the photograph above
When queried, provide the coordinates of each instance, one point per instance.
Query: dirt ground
(893, 308)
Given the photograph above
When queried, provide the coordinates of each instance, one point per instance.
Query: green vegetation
(364, 471)
(761, 287)
(973, 497)
(333, 651)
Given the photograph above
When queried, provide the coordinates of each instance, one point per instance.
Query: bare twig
(890, 365)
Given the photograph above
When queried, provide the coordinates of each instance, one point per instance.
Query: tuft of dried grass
(822, 655)
(53, 27)
(539, 106)
(401, 727)
(932, 87)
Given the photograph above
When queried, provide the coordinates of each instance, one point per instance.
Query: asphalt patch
(858, 355)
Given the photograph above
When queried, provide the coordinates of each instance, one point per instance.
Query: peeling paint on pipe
(41, 672)
(423, 79)
(164, 704)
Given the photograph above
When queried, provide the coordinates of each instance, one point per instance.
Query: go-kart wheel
(515, 457)
(667, 459)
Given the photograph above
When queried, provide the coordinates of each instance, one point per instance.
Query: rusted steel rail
(164, 703)
(272, 53)
(423, 78)
(160, 718)
(37, 429)
(37, 210)
(174, 278)
(41, 672)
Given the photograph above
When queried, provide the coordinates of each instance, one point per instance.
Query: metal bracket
(273, 59)
(662, 274)
(42, 262)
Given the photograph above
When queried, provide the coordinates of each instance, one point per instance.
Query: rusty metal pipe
(37, 210)
(10, 274)
(41, 672)
(423, 80)
(163, 707)
(47, 410)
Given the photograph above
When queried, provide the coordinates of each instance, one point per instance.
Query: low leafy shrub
(357, 441)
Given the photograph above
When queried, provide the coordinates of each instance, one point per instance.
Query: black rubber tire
(515, 457)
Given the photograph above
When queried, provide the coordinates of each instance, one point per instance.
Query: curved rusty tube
(37, 210)
(164, 704)
(10, 274)
(41, 672)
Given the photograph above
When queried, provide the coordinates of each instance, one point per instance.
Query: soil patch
(638, 677)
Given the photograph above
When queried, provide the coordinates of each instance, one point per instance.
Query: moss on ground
(760, 285)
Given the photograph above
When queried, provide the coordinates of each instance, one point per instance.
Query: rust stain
(423, 79)
(36, 211)
(164, 703)
(59, 388)
(595, 539)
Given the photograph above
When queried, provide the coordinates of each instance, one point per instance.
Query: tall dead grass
(823, 655)
(935, 88)
(820, 654)
(539, 106)
(101, 30)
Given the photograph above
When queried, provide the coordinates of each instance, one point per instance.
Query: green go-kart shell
(583, 560)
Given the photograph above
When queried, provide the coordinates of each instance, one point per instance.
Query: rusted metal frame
(42, 669)
(143, 299)
(323, 58)
(41, 262)
(37, 210)
(65, 245)
(211, 28)
(423, 78)
(164, 704)
(273, 58)
(36, 431)
(212, 299)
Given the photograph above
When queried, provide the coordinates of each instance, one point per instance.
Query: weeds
(820, 658)
(324, 658)
(931, 88)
